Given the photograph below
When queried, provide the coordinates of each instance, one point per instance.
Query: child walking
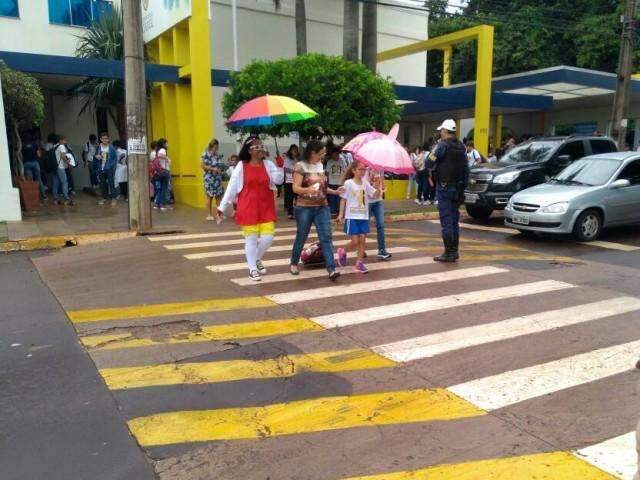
(354, 213)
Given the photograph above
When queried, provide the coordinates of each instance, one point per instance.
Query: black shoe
(455, 246)
(260, 267)
(448, 256)
(333, 275)
(384, 255)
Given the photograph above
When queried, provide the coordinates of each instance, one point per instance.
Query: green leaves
(23, 99)
(347, 96)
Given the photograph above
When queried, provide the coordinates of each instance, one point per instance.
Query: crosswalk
(419, 311)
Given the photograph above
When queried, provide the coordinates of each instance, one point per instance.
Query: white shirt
(473, 157)
(289, 165)
(104, 151)
(62, 156)
(230, 171)
(90, 150)
(164, 161)
(335, 169)
(367, 177)
(357, 199)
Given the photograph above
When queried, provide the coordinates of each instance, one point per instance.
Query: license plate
(471, 197)
(521, 219)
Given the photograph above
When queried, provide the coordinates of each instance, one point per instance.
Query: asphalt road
(518, 362)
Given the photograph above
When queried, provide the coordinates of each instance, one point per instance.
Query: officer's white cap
(448, 125)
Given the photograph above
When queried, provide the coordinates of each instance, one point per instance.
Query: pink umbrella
(381, 152)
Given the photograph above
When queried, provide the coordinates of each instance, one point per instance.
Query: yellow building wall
(182, 113)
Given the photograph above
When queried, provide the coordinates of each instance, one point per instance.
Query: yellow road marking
(165, 309)
(209, 333)
(303, 416)
(542, 466)
(233, 370)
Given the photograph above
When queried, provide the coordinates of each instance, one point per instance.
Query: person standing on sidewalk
(88, 155)
(211, 163)
(253, 185)
(107, 157)
(418, 160)
(60, 177)
(450, 176)
(290, 160)
(310, 184)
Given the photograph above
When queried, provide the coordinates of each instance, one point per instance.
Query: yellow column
(483, 89)
(497, 138)
(447, 66)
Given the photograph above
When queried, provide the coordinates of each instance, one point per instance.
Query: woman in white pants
(252, 186)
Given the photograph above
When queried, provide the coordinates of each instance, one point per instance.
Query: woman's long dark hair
(288, 154)
(161, 143)
(244, 154)
(313, 146)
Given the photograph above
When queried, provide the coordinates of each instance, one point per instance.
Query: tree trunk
(120, 120)
(301, 27)
(370, 35)
(18, 166)
(350, 30)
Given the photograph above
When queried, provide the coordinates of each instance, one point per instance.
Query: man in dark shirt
(450, 176)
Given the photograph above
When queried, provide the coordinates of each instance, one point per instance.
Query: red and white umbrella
(381, 151)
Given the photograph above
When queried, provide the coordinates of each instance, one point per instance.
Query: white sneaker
(418, 201)
(255, 276)
(210, 218)
(260, 267)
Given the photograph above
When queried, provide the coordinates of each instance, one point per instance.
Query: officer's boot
(447, 256)
(455, 246)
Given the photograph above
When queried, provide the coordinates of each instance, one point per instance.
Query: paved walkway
(87, 217)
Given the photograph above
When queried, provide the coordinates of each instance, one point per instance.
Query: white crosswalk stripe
(280, 262)
(373, 267)
(486, 228)
(364, 287)
(616, 456)
(613, 246)
(515, 386)
(240, 251)
(222, 243)
(450, 340)
(372, 314)
(194, 236)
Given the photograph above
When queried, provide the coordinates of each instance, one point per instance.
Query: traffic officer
(450, 176)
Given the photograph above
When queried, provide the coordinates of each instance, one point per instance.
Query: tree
(23, 108)
(104, 39)
(348, 97)
(370, 35)
(351, 30)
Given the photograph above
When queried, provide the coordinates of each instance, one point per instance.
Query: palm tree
(104, 39)
(301, 25)
(370, 35)
(351, 30)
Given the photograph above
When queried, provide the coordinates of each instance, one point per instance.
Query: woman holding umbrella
(252, 185)
(310, 184)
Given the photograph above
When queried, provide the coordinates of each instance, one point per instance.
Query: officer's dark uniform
(450, 176)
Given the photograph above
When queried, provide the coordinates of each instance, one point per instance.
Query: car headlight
(560, 207)
(505, 178)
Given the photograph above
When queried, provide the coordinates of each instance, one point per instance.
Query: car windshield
(588, 172)
(532, 152)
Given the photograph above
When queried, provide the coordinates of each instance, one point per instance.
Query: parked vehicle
(491, 185)
(591, 194)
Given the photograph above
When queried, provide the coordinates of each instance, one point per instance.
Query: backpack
(154, 168)
(50, 161)
(312, 255)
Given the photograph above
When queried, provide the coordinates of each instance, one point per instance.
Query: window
(574, 149)
(9, 8)
(631, 172)
(77, 12)
(602, 146)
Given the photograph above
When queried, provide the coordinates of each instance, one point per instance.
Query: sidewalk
(86, 218)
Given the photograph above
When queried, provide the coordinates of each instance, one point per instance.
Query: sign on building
(158, 16)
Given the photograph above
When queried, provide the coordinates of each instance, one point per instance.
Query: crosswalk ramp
(354, 365)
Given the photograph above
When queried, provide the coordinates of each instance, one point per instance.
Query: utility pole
(625, 69)
(136, 106)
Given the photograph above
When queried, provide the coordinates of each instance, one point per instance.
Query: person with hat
(450, 176)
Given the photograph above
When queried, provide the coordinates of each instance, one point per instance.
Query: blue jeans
(334, 200)
(32, 169)
(321, 218)
(94, 168)
(107, 183)
(60, 186)
(376, 210)
(448, 210)
(162, 190)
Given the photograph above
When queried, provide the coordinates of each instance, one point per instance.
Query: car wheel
(479, 213)
(588, 226)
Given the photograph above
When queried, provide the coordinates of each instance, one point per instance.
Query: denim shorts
(356, 227)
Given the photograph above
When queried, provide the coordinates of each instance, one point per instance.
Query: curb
(61, 241)
(407, 217)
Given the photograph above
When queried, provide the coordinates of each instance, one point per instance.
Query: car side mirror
(563, 160)
(620, 183)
